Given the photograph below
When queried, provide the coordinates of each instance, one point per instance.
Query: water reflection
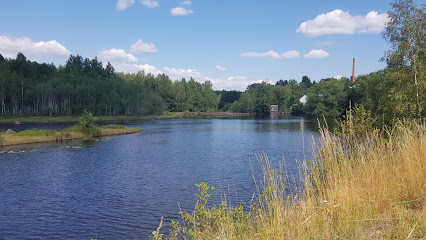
(120, 187)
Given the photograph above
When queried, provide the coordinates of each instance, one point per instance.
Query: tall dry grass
(369, 187)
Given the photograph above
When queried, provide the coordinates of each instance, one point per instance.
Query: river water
(119, 187)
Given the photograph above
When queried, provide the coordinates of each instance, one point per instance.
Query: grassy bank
(59, 119)
(42, 136)
(368, 187)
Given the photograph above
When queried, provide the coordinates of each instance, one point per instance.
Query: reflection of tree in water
(292, 124)
(287, 124)
(313, 124)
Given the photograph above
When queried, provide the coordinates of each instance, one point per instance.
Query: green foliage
(406, 33)
(86, 120)
(357, 123)
(87, 124)
(205, 219)
(30, 88)
(327, 98)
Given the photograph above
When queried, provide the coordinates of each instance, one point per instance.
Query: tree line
(398, 91)
(30, 88)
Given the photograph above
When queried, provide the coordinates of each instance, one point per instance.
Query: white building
(303, 99)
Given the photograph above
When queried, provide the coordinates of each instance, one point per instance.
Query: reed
(369, 187)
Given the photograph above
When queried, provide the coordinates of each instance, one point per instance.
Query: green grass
(113, 126)
(58, 119)
(70, 133)
(36, 132)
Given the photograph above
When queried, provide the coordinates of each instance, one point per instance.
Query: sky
(232, 43)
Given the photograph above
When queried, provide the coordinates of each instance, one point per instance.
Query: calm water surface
(120, 187)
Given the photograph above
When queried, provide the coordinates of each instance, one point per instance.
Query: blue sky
(232, 43)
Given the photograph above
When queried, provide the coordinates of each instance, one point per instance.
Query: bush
(87, 125)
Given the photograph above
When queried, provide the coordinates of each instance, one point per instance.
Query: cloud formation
(290, 54)
(178, 73)
(150, 3)
(221, 68)
(173, 73)
(123, 4)
(179, 11)
(116, 55)
(272, 54)
(341, 22)
(238, 83)
(9, 47)
(186, 2)
(141, 47)
(316, 54)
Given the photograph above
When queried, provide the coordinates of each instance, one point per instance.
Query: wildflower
(325, 202)
(336, 206)
(154, 232)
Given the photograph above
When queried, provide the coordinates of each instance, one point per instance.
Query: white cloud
(316, 54)
(338, 77)
(221, 68)
(150, 3)
(123, 4)
(340, 22)
(116, 55)
(239, 83)
(173, 73)
(179, 11)
(269, 53)
(290, 54)
(134, 68)
(141, 47)
(178, 73)
(273, 54)
(186, 2)
(9, 47)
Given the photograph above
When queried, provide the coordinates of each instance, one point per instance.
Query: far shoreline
(119, 118)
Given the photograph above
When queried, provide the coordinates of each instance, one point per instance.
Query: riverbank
(74, 119)
(368, 188)
(43, 136)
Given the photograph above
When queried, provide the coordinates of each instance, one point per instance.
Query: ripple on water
(119, 188)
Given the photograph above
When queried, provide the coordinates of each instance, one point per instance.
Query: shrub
(87, 125)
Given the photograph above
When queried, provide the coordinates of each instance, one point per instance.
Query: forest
(30, 88)
(398, 91)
